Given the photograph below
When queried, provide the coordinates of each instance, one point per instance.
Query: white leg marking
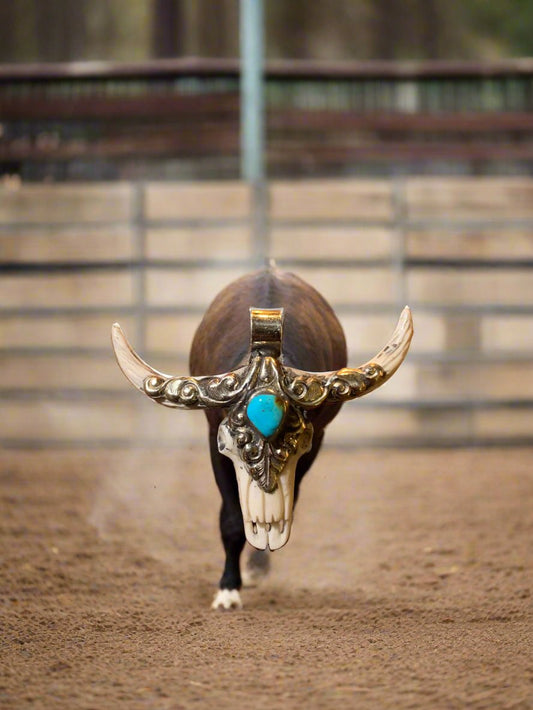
(227, 599)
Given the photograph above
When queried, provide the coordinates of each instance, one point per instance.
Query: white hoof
(227, 599)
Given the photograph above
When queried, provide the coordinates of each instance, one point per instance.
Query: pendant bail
(266, 330)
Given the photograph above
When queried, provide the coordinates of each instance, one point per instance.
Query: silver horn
(179, 392)
(310, 389)
(265, 460)
(306, 389)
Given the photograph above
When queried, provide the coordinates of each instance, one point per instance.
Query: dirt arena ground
(406, 584)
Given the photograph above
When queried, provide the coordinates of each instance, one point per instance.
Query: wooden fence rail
(180, 118)
(75, 258)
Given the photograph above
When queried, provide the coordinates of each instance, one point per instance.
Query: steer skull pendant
(266, 428)
(264, 435)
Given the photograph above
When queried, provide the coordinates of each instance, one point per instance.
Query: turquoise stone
(265, 411)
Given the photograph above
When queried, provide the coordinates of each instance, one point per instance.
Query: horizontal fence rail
(180, 118)
(75, 258)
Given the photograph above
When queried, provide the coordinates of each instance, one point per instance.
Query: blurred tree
(288, 29)
(7, 25)
(388, 14)
(66, 30)
(167, 26)
(497, 27)
(418, 29)
(332, 30)
(215, 27)
(430, 13)
(60, 29)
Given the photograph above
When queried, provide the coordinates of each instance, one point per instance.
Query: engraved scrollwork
(373, 371)
(339, 388)
(177, 391)
(153, 385)
(253, 449)
(344, 388)
(186, 392)
(312, 389)
(197, 392)
(306, 389)
(220, 388)
(352, 383)
(299, 388)
(265, 460)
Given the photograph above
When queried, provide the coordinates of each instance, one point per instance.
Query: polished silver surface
(306, 389)
(293, 392)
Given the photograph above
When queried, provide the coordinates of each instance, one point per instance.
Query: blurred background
(399, 158)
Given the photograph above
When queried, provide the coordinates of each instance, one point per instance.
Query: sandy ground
(406, 584)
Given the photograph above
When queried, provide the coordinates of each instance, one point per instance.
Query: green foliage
(508, 25)
(68, 30)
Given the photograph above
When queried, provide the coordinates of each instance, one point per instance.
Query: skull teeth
(266, 507)
(263, 535)
(267, 516)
